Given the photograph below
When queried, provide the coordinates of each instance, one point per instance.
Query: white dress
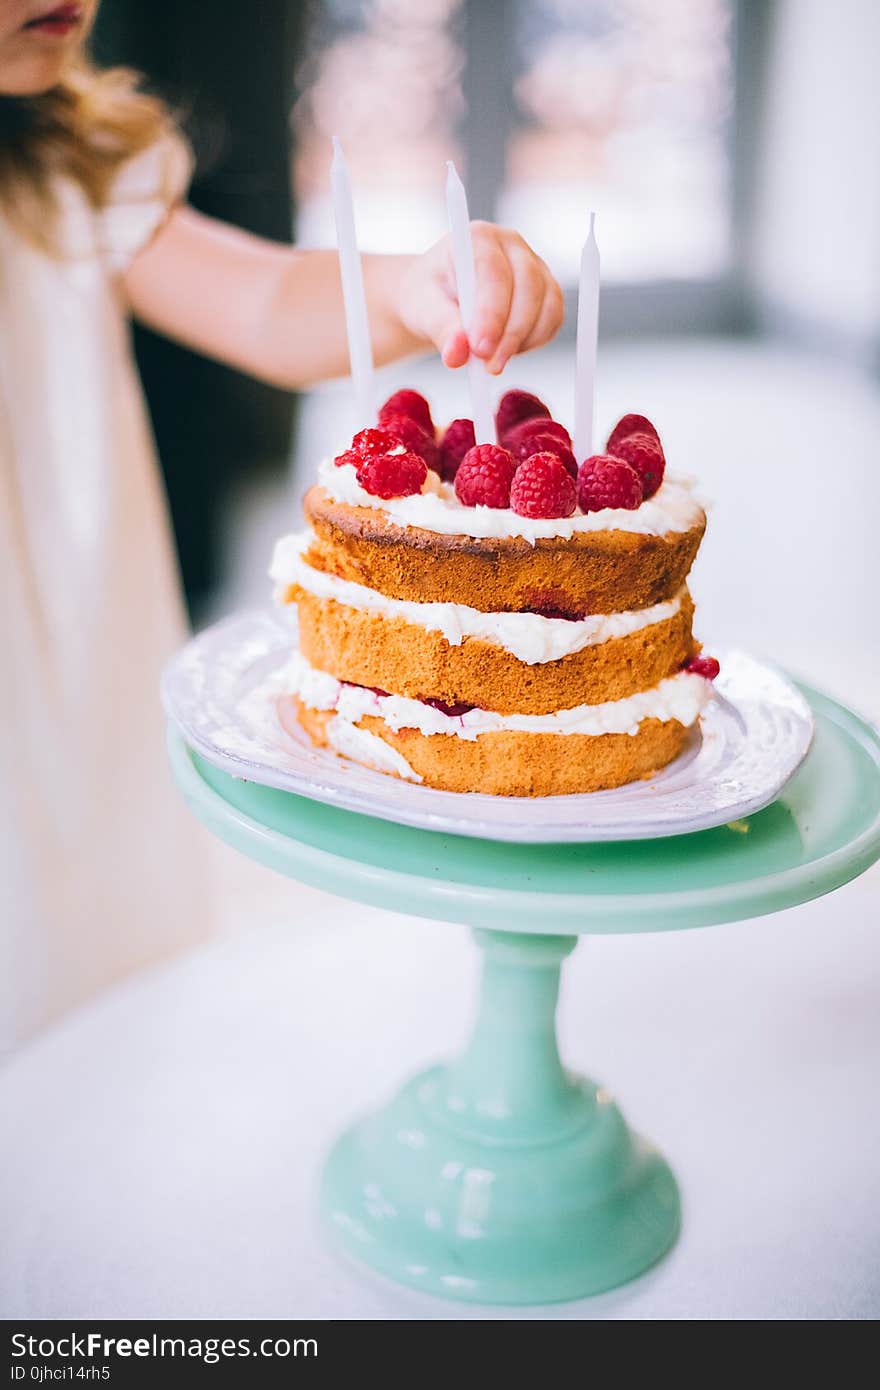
(100, 866)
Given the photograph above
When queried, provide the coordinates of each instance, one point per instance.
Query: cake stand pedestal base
(499, 1178)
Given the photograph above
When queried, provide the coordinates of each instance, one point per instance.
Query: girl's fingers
(495, 287)
(438, 317)
(525, 308)
(455, 350)
(550, 318)
(518, 303)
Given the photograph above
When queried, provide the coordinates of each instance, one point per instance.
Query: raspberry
(411, 435)
(645, 454)
(515, 406)
(411, 404)
(349, 456)
(543, 487)
(459, 437)
(706, 666)
(392, 475)
(484, 477)
(547, 444)
(519, 435)
(630, 424)
(604, 481)
(372, 442)
(365, 445)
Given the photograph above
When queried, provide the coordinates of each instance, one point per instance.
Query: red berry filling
(706, 666)
(559, 613)
(552, 603)
(454, 711)
(374, 689)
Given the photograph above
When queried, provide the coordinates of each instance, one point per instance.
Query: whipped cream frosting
(363, 747)
(529, 637)
(436, 508)
(682, 697)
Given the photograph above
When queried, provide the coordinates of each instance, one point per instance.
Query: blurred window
(385, 76)
(621, 105)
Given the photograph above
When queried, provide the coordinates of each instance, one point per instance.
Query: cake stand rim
(442, 820)
(522, 910)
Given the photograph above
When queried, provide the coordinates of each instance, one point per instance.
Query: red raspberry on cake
(519, 435)
(548, 444)
(515, 406)
(605, 481)
(368, 442)
(484, 477)
(707, 666)
(644, 453)
(392, 475)
(348, 456)
(457, 440)
(543, 487)
(365, 444)
(413, 405)
(407, 432)
(627, 425)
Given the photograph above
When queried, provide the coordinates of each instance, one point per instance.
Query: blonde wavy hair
(85, 127)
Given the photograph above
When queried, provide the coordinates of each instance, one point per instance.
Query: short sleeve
(142, 195)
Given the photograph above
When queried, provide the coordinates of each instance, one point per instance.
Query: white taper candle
(466, 282)
(587, 344)
(360, 351)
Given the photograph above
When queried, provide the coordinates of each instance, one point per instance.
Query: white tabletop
(166, 1142)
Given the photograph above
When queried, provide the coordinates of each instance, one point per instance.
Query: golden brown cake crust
(511, 763)
(395, 655)
(590, 572)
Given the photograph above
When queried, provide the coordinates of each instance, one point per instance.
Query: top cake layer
(593, 569)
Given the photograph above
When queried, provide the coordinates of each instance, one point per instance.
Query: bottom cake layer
(508, 762)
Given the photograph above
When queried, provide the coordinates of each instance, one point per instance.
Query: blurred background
(732, 151)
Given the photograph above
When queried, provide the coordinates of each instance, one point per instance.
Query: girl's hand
(519, 304)
(276, 312)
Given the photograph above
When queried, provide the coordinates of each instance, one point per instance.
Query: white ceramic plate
(222, 689)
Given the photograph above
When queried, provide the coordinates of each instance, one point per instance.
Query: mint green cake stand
(499, 1177)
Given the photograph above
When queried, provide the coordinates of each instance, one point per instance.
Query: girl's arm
(276, 312)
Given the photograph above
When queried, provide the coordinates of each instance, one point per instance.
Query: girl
(95, 855)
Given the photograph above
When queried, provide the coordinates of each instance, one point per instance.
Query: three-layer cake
(493, 648)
